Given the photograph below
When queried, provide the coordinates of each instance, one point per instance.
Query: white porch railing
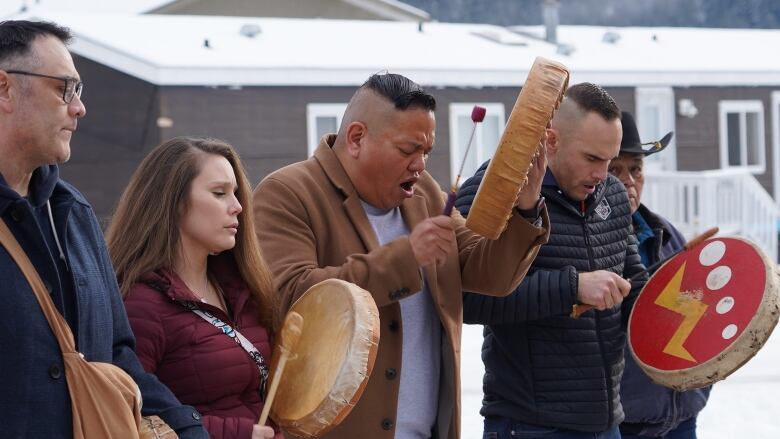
(731, 199)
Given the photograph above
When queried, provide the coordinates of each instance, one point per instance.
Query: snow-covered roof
(172, 50)
(668, 55)
(207, 50)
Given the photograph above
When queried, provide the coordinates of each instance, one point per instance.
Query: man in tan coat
(364, 210)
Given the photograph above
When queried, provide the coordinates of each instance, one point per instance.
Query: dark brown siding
(625, 98)
(698, 143)
(118, 130)
(267, 125)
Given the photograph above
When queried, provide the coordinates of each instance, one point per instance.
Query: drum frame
(345, 391)
(739, 352)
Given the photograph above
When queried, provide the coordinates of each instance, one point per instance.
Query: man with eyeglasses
(71, 86)
(40, 105)
(652, 411)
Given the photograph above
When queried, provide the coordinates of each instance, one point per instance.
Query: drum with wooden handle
(704, 313)
(329, 366)
(539, 98)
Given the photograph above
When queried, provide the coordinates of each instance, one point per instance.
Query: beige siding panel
(335, 9)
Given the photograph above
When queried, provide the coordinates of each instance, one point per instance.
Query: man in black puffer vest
(549, 375)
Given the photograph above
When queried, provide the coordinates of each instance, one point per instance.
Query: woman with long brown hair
(196, 288)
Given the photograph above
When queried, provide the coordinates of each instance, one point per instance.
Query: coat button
(17, 214)
(55, 371)
(387, 424)
(195, 416)
(390, 373)
(394, 326)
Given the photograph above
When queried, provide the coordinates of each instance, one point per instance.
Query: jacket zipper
(596, 318)
(583, 215)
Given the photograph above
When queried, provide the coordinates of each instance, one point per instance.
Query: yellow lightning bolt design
(671, 298)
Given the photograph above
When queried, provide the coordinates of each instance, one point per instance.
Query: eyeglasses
(73, 87)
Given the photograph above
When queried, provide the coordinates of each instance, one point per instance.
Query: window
(486, 136)
(741, 126)
(322, 119)
(654, 118)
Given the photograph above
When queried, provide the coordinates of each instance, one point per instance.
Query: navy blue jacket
(541, 366)
(653, 410)
(34, 398)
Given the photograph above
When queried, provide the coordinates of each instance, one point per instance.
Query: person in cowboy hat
(652, 411)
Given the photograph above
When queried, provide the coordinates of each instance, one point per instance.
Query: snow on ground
(745, 405)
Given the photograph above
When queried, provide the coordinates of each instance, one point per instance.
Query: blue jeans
(504, 428)
(686, 430)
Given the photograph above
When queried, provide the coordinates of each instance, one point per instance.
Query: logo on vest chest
(603, 210)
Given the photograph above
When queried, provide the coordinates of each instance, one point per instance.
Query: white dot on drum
(712, 253)
(729, 331)
(724, 305)
(718, 277)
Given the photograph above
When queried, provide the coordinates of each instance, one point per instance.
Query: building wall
(625, 97)
(267, 125)
(117, 131)
(334, 9)
(698, 143)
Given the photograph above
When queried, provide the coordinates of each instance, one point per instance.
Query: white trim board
(775, 124)
(741, 107)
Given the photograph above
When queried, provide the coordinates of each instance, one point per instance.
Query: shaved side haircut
(401, 91)
(581, 99)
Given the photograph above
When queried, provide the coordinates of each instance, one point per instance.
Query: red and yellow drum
(704, 313)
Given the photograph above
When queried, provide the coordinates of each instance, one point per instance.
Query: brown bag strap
(57, 323)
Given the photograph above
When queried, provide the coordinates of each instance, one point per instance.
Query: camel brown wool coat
(312, 227)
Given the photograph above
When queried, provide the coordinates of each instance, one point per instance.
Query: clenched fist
(602, 289)
(432, 240)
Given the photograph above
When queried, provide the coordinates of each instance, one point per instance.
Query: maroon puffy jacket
(202, 366)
